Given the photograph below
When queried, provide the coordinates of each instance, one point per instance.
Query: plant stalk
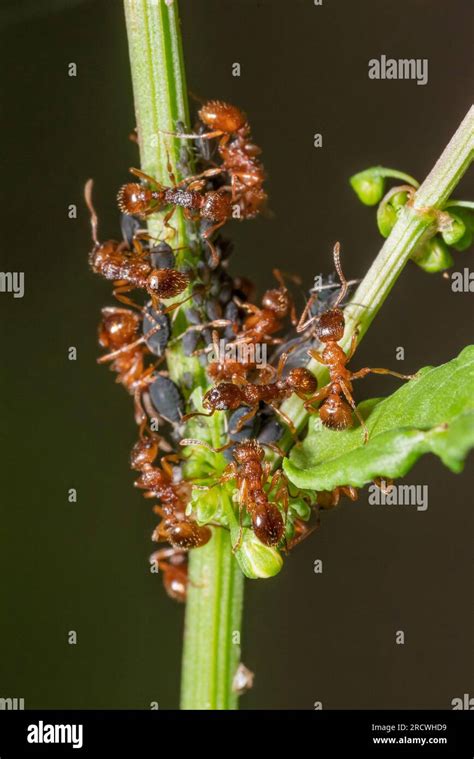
(215, 591)
(417, 222)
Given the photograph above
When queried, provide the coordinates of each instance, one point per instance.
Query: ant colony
(227, 334)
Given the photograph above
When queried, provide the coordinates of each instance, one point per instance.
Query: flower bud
(454, 233)
(369, 186)
(256, 560)
(386, 218)
(465, 241)
(434, 256)
(399, 200)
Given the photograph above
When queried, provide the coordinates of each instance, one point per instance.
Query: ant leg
(167, 218)
(317, 355)
(138, 247)
(207, 234)
(200, 328)
(205, 136)
(118, 293)
(348, 396)
(304, 532)
(281, 364)
(353, 346)
(350, 492)
(279, 276)
(250, 307)
(203, 175)
(367, 370)
(245, 418)
(129, 347)
(166, 465)
(187, 417)
(319, 396)
(147, 178)
(174, 306)
(276, 449)
(287, 421)
(385, 484)
(243, 495)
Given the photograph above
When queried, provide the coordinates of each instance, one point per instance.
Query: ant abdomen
(222, 117)
(267, 523)
(143, 453)
(335, 413)
(186, 534)
(119, 326)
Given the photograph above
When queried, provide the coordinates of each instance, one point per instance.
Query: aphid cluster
(255, 356)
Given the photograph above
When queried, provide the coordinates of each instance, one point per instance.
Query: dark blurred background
(83, 566)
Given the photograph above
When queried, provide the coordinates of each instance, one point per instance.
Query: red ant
(264, 321)
(238, 154)
(338, 403)
(114, 262)
(234, 370)
(251, 474)
(175, 526)
(173, 564)
(118, 332)
(227, 396)
(214, 205)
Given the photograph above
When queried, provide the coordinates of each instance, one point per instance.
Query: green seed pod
(454, 233)
(465, 241)
(386, 218)
(434, 256)
(466, 215)
(399, 200)
(369, 186)
(256, 560)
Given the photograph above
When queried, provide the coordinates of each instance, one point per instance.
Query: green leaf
(433, 413)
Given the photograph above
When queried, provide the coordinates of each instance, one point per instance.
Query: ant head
(118, 327)
(133, 198)
(248, 450)
(222, 397)
(166, 283)
(222, 117)
(330, 326)
(301, 380)
(217, 206)
(277, 300)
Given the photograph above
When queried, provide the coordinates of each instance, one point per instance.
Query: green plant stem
(416, 223)
(212, 630)
(215, 592)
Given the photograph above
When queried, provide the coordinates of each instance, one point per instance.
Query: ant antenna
(337, 263)
(94, 220)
